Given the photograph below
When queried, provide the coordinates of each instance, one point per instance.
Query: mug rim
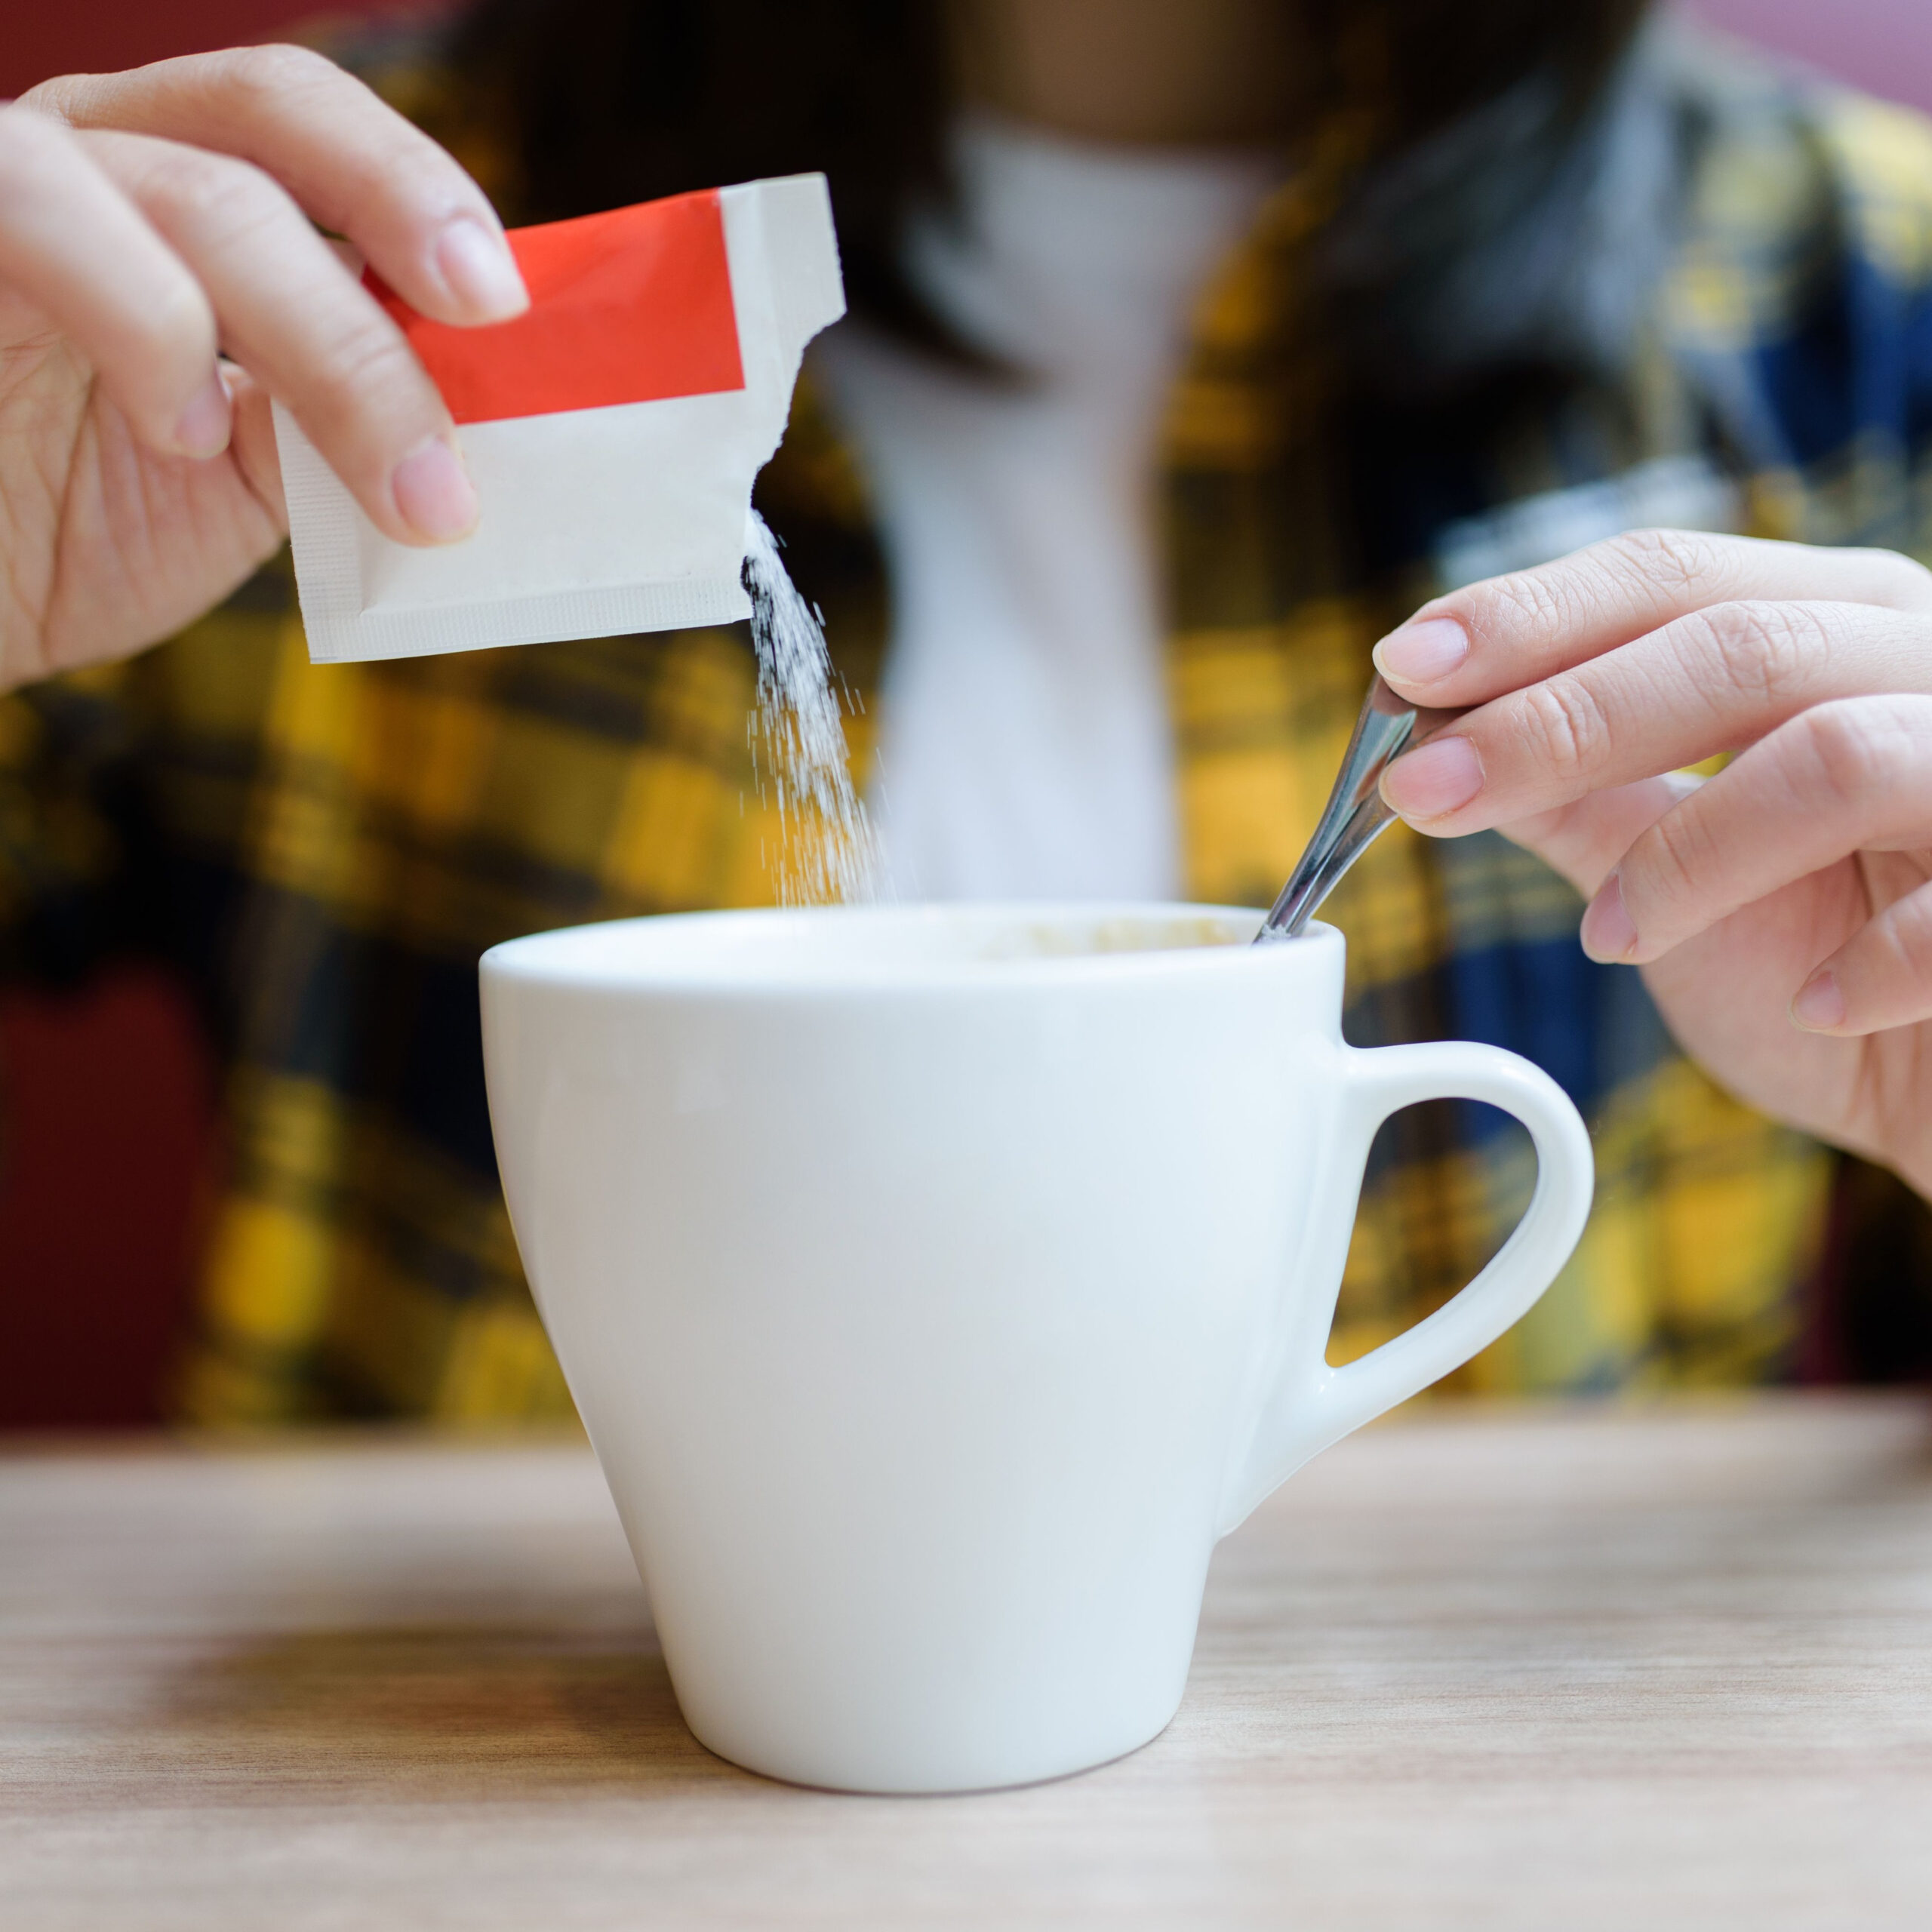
(619, 955)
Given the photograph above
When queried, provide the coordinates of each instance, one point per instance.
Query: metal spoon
(1355, 815)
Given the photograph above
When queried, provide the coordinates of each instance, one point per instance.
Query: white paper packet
(612, 433)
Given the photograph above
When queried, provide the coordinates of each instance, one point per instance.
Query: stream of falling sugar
(828, 851)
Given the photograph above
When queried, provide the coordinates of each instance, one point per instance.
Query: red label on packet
(631, 306)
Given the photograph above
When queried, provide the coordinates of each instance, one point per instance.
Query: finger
(1583, 842)
(79, 248)
(1881, 978)
(1711, 682)
(254, 443)
(1490, 637)
(295, 317)
(1850, 777)
(352, 161)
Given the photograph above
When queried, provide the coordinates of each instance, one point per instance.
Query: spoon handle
(1355, 814)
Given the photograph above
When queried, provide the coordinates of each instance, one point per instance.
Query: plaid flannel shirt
(327, 850)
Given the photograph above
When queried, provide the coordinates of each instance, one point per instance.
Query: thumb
(254, 443)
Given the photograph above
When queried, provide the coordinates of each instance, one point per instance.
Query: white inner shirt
(1025, 748)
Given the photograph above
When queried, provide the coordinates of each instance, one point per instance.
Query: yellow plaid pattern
(336, 845)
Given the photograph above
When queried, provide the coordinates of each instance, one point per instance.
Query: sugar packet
(613, 432)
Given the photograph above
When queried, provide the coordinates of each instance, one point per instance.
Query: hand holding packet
(613, 432)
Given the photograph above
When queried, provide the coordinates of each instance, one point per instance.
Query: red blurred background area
(108, 1140)
(1884, 46)
(107, 1154)
(99, 37)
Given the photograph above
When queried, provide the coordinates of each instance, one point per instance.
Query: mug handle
(1307, 1404)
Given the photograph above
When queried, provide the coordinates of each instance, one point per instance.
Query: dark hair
(611, 101)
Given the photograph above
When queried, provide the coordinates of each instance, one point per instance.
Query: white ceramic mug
(938, 1285)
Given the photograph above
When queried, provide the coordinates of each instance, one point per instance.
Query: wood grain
(1616, 1668)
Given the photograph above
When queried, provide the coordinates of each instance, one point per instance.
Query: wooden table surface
(1552, 1669)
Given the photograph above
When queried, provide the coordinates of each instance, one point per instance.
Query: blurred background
(1884, 46)
(107, 1147)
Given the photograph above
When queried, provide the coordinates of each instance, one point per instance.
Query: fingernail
(434, 492)
(1609, 933)
(1820, 1005)
(202, 431)
(1437, 778)
(477, 268)
(1421, 653)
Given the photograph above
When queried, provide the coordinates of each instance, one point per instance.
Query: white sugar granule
(829, 853)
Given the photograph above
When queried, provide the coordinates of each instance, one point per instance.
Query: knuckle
(213, 195)
(1536, 605)
(1676, 854)
(1859, 749)
(263, 76)
(1764, 653)
(1672, 875)
(1912, 713)
(366, 378)
(55, 98)
(1679, 565)
(178, 321)
(1906, 927)
(1850, 749)
(1565, 725)
(1914, 926)
(1685, 562)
